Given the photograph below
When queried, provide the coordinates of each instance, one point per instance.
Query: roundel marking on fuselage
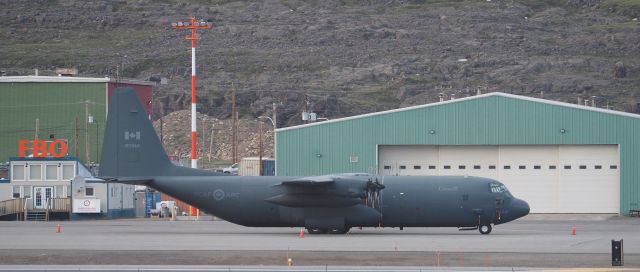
(218, 194)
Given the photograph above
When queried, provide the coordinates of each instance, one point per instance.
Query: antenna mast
(193, 25)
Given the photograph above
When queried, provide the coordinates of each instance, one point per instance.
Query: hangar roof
(65, 79)
(482, 96)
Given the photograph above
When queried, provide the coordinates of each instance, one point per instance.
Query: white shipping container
(250, 166)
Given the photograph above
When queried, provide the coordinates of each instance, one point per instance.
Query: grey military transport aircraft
(132, 154)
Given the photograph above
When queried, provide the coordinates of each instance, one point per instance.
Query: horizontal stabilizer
(128, 180)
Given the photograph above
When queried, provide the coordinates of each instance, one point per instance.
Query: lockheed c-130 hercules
(133, 154)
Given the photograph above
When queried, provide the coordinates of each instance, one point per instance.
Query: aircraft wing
(340, 190)
(310, 181)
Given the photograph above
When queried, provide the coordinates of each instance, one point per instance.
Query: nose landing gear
(485, 229)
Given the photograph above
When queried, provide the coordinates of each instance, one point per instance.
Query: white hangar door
(481, 161)
(563, 178)
(408, 160)
(592, 184)
(530, 173)
(551, 178)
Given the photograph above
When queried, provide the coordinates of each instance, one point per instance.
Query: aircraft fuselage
(424, 201)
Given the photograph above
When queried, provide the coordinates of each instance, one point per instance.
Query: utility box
(617, 253)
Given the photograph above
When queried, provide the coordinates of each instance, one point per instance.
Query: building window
(492, 167)
(537, 167)
(447, 167)
(417, 167)
(432, 167)
(583, 167)
(35, 172)
(522, 167)
(613, 167)
(507, 167)
(17, 172)
(15, 192)
(597, 166)
(68, 172)
(476, 167)
(88, 191)
(567, 167)
(402, 167)
(51, 172)
(26, 191)
(462, 167)
(552, 167)
(387, 167)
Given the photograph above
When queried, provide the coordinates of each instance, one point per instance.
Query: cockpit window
(497, 188)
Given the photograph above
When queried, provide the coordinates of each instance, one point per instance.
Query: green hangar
(559, 157)
(72, 109)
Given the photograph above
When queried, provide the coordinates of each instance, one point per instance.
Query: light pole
(269, 118)
(274, 138)
(260, 149)
(193, 25)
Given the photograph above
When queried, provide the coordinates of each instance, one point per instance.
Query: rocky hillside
(336, 57)
(215, 138)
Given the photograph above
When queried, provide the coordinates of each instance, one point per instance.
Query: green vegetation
(135, 69)
(422, 4)
(243, 111)
(538, 5)
(629, 8)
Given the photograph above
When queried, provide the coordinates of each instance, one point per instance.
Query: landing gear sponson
(329, 231)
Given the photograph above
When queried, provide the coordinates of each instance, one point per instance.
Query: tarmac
(536, 242)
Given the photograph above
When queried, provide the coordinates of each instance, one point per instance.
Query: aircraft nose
(519, 208)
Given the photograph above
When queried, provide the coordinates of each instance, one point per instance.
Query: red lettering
(63, 149)
(22, 147)
(43, 149)
(39, 149)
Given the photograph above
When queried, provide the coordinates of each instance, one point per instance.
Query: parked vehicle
(233, 169)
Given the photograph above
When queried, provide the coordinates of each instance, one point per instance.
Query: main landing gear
(328, 231)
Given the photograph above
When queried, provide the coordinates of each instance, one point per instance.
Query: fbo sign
(41, 149)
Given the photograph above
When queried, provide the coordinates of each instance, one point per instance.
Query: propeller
(372, 191)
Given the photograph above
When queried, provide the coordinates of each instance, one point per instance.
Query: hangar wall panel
(56, 105)
(491, 119)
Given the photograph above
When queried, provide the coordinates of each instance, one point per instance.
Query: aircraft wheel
(316, 231)
(485, 229)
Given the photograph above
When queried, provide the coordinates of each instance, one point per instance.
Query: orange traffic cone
(58, 230)
(301, 234)
(573, 231)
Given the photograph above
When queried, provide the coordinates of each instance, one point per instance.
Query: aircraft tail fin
(131, 146)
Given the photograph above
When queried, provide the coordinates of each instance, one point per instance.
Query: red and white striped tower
(193, 25)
